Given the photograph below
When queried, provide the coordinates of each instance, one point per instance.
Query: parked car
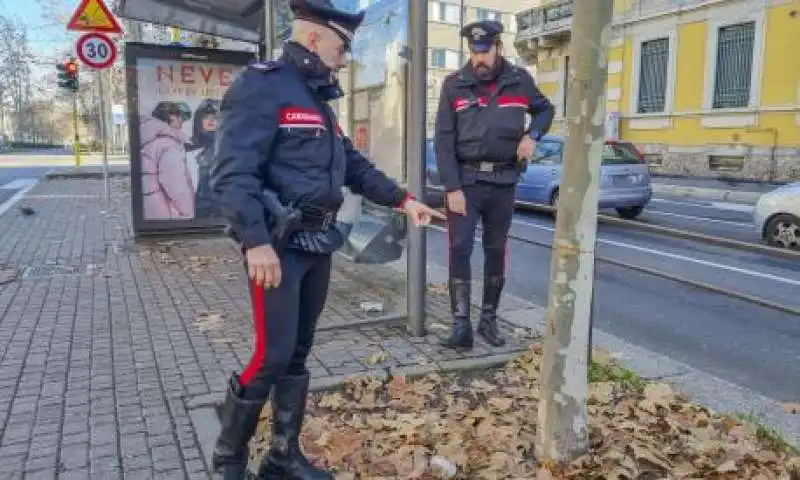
(777, 217)
(434, 194)
(625, 184)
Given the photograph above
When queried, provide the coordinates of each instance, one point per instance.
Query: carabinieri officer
(482, 146)
(278, 133)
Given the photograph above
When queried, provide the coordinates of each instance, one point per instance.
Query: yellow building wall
(779, 87)
(691, 63)
(781, 73)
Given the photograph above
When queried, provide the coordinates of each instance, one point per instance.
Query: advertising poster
(174, 97)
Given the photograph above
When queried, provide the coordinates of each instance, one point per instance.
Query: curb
(90, 172)
(714, 194)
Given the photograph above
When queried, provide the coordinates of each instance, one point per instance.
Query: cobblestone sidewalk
(111, 353)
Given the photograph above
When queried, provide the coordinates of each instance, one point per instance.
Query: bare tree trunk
(562, 430)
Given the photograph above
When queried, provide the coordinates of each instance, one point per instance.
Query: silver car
(777, 217)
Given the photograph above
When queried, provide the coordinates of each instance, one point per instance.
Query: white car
(777, 217)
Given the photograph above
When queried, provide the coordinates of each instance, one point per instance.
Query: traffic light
(68, 75)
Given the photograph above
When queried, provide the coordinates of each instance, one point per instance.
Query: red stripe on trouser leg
(260, 324)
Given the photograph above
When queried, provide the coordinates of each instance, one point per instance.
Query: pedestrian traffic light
(68, 75)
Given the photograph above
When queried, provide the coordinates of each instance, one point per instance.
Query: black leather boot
(285, 459)
(239, 418)
(461, 335)
(487, 326)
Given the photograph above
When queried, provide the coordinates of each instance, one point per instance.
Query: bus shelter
(383, 112)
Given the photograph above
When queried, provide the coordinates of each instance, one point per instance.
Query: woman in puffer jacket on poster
(201, 152)
(166, 181)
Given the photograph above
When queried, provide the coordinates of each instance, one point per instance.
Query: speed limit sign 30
(96, 50)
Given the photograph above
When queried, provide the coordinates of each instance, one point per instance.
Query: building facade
(705, 88)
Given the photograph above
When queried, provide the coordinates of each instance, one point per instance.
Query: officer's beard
(486, 73)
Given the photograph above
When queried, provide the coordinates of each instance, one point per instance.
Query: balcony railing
(550, 19)
(554, 18)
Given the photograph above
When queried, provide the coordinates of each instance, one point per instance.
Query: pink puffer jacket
(166, 182)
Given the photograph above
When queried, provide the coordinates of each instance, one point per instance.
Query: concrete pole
(562, 429)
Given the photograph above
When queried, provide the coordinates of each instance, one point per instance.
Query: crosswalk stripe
(18, 184)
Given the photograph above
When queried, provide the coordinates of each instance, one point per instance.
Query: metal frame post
(267, 32)
(416, 122)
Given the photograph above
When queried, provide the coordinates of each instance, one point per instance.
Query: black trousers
(493, 205)
(284, 320)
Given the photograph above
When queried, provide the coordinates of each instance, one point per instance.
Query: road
(746, 344)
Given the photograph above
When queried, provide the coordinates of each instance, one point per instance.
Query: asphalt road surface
(746, 344)
(718, 219)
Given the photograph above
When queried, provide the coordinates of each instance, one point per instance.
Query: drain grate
(47, 271)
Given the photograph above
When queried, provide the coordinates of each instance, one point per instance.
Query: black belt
(316, 219)
(489, 166)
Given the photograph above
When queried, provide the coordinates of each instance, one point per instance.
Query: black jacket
(473, 126)
(278, 132)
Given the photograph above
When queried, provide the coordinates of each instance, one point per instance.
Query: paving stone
(40, 474)
(106, 343)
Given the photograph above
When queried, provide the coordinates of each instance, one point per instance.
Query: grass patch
(768, 435)
(612, 371)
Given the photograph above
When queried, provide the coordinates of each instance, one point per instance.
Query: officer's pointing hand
(421, 214)
(264, 266)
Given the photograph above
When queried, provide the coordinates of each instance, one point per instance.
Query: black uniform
(479, 124)
(278, 133)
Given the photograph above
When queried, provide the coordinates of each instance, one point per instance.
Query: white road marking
(734, 207)
(17, 184)
(31, 182)
(704, 219)
(677, 202)
(730, 206)
(675, 256)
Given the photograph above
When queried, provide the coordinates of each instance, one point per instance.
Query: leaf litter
(483, 426)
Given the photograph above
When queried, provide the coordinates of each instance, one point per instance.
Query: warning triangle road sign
(93, 16)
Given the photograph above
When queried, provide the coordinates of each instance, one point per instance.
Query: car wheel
(630, 212)
(783, 231)
(554, 202)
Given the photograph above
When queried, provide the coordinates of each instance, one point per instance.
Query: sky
(48, 39)
(48, 36)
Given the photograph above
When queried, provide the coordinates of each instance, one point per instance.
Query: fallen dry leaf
(377, 358)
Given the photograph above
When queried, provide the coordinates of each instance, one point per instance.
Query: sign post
(103, 135)
(96, 50)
